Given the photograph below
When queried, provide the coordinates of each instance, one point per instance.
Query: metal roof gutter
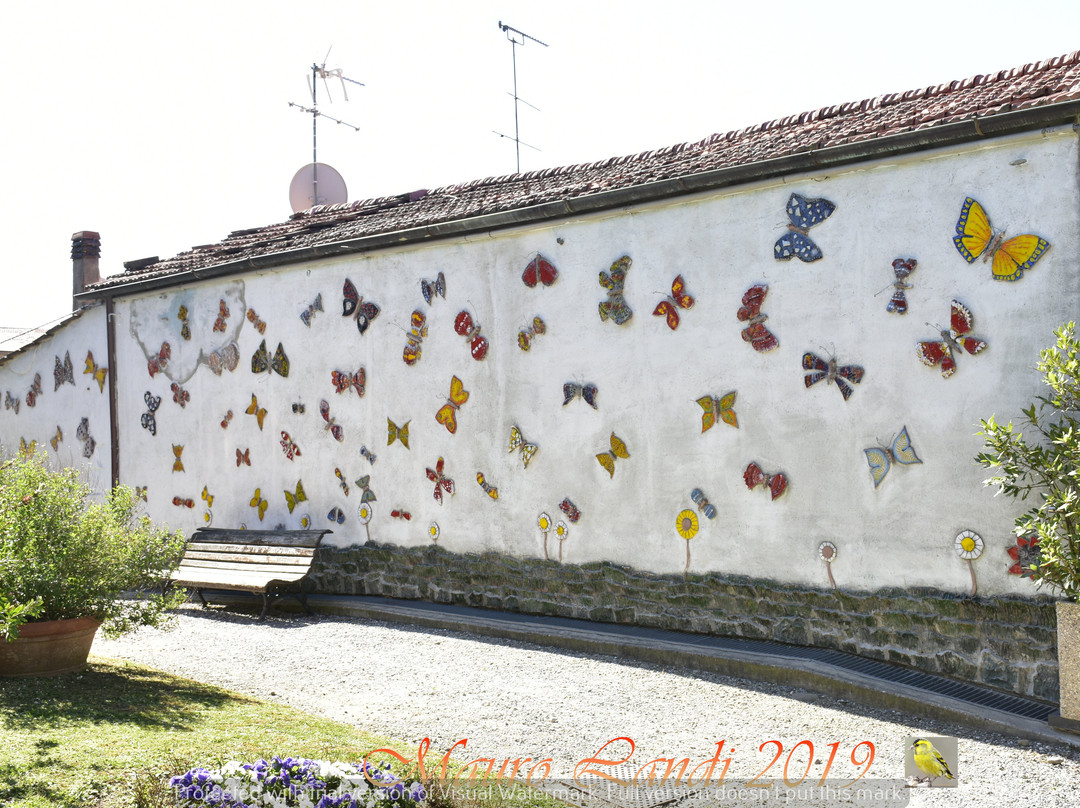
(934, 136)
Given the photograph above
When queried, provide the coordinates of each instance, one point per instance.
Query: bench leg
(302, 597)
(266, 605)
(201, 598)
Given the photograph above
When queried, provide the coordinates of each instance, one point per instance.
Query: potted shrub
(1046, 462)
(69, 564)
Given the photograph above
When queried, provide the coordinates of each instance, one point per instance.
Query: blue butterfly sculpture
(804, 214)
(881, 460)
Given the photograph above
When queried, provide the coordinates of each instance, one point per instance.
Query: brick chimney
(85, 252)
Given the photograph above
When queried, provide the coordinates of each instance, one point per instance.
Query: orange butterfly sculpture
(670, 306)
(447, 414)
(99, 373)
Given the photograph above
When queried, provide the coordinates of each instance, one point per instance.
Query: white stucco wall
(61, 407)
(900, 534)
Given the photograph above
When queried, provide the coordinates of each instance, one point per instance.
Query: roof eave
(936, 136)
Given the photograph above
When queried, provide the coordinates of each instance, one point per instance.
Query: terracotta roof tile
(1038, 84)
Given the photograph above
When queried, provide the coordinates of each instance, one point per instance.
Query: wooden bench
(272, 563)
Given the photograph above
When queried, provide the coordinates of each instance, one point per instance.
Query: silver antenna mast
(516, 38)
(317, 72)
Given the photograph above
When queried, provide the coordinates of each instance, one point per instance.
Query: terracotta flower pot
(48, 648)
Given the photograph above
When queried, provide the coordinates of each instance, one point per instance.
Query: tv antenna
(320, 72)
(516, 38)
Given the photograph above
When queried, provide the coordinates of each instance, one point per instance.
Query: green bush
(78, 556)
(1048, 465)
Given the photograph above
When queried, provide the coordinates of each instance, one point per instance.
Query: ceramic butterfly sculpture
(243, 458)
(934, 352)
(336, 515)
(227, 419)
(615, 306)
(589, 392)
(331, 424)
(759, 337)
(288, 446)
(35, 390)
(178, 463)
(100, 374)
(257, 411)
(298, 408)
(180, 395)
(525, 336)
(466, 327)
(363, 484)
(154, 364)
(431, 288)
(804, 213)
(12, 402)
(57, 439)
(718, 407)
(415, 338)
(207, 497)
(63, 371)
(262, 363)
(368, 455)
(679, 299)
(754, 476)
(149, 420)
(291, 498)
(343, 381)
(253, 318)
(309, 312)
(881, 460)
(447, 414)
(539, 270)
(517, 441)
(607, 459)
(223, 315)
(397, 513)
(395, 432)
(185, 327)
(259, 503)
(353, 305)
(570, 509)
(88, 442)
(28, 449)
(442, 482)
(703, 504)
(227, 358)
(843, 375)
(975, 236)
(183, 503)
(489, 489)
(902, 267)
(341, 481)
(140, 492)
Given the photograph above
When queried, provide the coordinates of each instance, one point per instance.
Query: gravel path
(517, 700)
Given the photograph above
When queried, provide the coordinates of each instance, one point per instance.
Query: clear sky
(164, 126)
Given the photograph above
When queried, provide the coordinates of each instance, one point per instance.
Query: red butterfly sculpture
(933, 352)
(754, 476)
(464, 325)
(180, 395)
(570, 509)
(539, 270)
(399, 514)
(755, 333)
(223, 315)
(442, 482)
(243, 458)
(158, 363)
(343, 380)
(331, 425)
(670, 306)
(288, 446)
(902, 267)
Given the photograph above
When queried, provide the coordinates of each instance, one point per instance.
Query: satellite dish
(302, 189)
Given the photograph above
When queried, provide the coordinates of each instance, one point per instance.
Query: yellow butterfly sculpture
(256, 410)
(99, 373)
(57, 440)
(178, 464)
(517, 441)
(721, 407)
(27, 449)
(291, 499)
(395, 432)
(258, 502)
(607, 459)
(975, 237)
(208, 498)
(447, 414)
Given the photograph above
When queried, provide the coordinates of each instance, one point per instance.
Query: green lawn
(111, 735)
